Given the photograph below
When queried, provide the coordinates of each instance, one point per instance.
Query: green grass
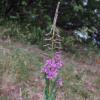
(19, 62)
(23, 65)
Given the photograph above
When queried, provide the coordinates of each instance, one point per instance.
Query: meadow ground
(20, 73)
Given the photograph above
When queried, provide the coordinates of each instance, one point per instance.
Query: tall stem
(54, 24)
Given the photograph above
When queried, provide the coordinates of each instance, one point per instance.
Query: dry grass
(20, 75)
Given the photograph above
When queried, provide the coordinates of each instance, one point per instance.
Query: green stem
(47, 89)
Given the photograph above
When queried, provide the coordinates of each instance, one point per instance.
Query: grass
(19, 62)
(22, 68)
(88, 54)
(17, 66)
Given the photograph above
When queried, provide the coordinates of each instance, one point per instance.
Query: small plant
(51, 74)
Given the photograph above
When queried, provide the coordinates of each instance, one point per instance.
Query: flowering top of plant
(52, 66)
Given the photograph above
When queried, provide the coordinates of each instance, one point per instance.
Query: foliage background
(29, 20)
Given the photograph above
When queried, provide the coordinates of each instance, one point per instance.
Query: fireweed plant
(51, 70)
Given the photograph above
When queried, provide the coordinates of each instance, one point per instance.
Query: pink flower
(52, 66)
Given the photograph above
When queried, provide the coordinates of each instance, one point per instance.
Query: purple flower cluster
(52, 66)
